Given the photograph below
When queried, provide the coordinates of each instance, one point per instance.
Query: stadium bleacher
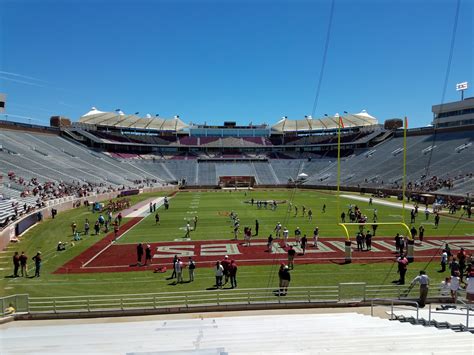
(51, 157)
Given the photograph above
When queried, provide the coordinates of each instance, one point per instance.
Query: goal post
(348, 249)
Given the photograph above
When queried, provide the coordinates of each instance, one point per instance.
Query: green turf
(213, 224)
(211, 209)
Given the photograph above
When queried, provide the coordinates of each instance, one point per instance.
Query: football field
(213, 210)
(95, 265)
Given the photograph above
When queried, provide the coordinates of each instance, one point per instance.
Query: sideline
(142, 209)
(408, 206)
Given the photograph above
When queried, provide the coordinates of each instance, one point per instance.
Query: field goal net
(236, 181)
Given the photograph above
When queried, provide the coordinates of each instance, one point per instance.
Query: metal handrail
(246, 296)
(391, 301)
(468, 309)
(182, 298)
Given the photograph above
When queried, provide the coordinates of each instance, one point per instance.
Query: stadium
(144, 234)
(110, 162)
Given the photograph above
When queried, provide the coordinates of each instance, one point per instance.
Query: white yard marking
(408, 206)
(142, 211)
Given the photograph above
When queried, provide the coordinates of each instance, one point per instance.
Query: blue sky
(248, 61)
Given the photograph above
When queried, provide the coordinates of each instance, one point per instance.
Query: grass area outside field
(212, 224)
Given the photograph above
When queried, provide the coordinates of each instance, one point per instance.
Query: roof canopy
(329, 122)
(120, 120)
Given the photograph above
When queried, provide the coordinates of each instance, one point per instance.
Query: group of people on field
(20, 264)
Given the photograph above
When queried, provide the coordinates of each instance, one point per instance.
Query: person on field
(315, 237)
(444, 260)
(175, 260)
(61, 246)
(86, 227)
(139, 254)
(37, 259)
(297, 235)
(285, 236)
(116, 230)
(247, 235)
(236, 230)
(436, 220)
(470, 287)
(324, 208)
(310, 214)
(270, 243)
(462, 261)
(188, 231)
(402, 268)
(16, 264)
(359, 240)
(219, 272)
(454, 287)
(277, 230)
(23, 262)
(256, 227)
(454, 266)
(374, 229)
(343, 217)
(398, 243)
(445, 287)
(304, 243)
(148, 255)
(178, 267)
(368, 240)
(73, 227)
(97, 227)
(291, 257)
(421, 233)
(285, 278)
(226, 265)
(413, 232)
(191, 268)
(195, 222)
(424, 282)
(233, 274)
(157, 218)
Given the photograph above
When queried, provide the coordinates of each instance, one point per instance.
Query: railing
(182, 299)
(19, 303)
(227, 298)
(212, 298)
(399, 305)
(469, 308)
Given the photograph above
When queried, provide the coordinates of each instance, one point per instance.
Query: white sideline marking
(159, 201)
(142, 211)
(408, 206)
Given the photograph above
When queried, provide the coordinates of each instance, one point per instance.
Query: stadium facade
(124, 151)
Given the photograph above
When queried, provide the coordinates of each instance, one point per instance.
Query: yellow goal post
(410, 246)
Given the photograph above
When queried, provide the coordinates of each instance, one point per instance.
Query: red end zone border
(104, 256)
